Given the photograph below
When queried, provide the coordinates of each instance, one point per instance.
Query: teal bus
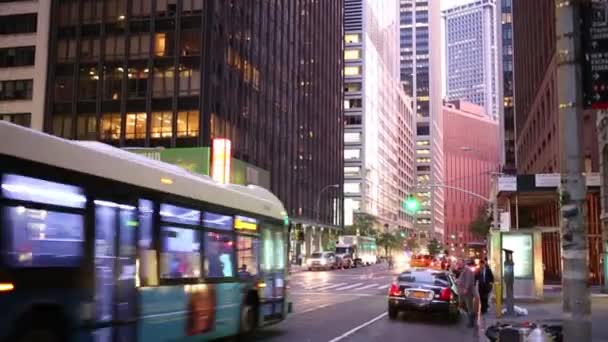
(99, 244)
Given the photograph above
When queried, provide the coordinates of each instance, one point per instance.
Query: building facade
(537, 142)
(471, 156)
(506, 79)
(264, 74)
(379, 123)
(24, 32)
(420, 24)
(472, 54)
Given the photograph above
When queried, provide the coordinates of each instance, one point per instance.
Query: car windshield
(342, 250)
(316, 255)
(434, 278)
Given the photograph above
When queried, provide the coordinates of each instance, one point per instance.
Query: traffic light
(412, 204)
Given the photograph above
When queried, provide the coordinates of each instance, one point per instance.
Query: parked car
(321, 260)
(426, 291)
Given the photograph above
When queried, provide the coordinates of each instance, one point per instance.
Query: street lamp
(318, 203)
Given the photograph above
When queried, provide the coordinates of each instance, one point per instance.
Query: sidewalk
(550, 309)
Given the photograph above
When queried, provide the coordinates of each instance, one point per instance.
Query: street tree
(363, 225)
(411, 244)
(434, 247)
(481, 224)
(390, 242)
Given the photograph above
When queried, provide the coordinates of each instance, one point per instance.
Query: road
(350, 306)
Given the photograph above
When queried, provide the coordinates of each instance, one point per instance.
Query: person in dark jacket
(484, 284)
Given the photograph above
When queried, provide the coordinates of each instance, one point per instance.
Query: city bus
(99, 244)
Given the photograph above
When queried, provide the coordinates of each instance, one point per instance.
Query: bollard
(498, 295)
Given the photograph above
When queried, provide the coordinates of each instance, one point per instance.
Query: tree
(480, 226)
(363, 225)
(412, 244)
(434, 247)
(389, 241)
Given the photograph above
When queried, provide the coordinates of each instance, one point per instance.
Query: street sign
(595, 49)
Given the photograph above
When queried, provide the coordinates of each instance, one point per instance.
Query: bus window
(147, 255)
(175, 214)
(248, 249)
(180, 256)
(146, 209)
(279, 250)
(36, 237)
(217, 221)
(219, 249)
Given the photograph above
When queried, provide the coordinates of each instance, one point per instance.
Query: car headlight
(308, 261)
(323, 262)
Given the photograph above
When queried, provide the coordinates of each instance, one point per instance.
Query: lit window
(351, 171)
(352, 87)
(160, 41)
(352, 188)
(352, 38)
(352, 71)
(187, 124)
(423, 143)
(352, 54)
(352, 154)
(110, 126)
(161, 125)
(136, 126)
(350, 137)
(423, 151)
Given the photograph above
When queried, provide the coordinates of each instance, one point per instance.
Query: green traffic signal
(412, 205)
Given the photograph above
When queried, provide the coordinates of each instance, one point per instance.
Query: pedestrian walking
(466, 291)
(484, 284)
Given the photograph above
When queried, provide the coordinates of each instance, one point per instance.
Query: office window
(86, 127)
(189, 80)
(192, 6)
(352, 103)
(62, 126)
(190, 43)
(68, 13)
(18, 56)
(89, 49)
(139, 45)
(352, 87)
(112, 83)
(350, 54)
(66, 50)
(16, 90)
(162, 82)
(350, 154)
(114, 48)
(187, 124)
(92, 11)
(136, 126)
(166, 7)
(352, 171)
(163, 44)
(352, 137)
(140, 8)
(110, 126)
(352, 188)
(88, 81)
(352, 71)
(352, 38)
(21, 119)
(64, 86)
(161, 125)
(18, 23)
(116, 10)
(137, 82)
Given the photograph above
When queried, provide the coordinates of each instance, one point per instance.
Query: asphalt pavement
(351, 305)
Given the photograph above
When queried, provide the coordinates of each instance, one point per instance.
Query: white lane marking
(329, 287)
(348, 287)
(315, 286)
(359, 327)
(366, 287)
(382, 287)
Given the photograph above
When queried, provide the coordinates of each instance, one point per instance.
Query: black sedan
(425, 291)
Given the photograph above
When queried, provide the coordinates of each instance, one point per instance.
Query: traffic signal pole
(575, 292)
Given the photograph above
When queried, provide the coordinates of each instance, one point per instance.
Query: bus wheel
(248, 320)
(41, 331)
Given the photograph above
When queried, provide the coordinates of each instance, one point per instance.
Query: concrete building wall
(471, 153)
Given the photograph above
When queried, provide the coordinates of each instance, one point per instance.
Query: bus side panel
(198, 312)
(17, 303)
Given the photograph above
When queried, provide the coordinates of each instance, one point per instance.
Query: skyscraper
(264, 74)
(379, 121)
(24, 31)
(420, 24)
(506, 77)
(472, 55)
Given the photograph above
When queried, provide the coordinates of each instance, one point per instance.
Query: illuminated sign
(220, 163)
(245, 223)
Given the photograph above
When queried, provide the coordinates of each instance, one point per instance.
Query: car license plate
(419, 295)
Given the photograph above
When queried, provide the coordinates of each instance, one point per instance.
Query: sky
(445, 4)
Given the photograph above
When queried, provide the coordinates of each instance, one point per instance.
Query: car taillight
(445, 294)
(394, 290)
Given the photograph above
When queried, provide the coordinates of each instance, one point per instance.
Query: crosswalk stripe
(367, 286)
(382, 287)
(314, 286)
(329, 287)
(348, 287)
